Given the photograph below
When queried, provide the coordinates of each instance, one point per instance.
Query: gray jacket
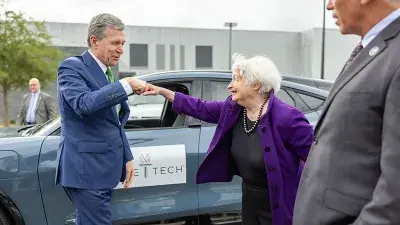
(353, 169)
(45, 109)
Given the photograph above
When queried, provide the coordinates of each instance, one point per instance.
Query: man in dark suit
(37, 107)
(94, 153)
(351, 174)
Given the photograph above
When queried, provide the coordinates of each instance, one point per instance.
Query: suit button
(271, 168)
(121, 146)
(274, 187)
(276, 205)
(267, 149)
(263, 129)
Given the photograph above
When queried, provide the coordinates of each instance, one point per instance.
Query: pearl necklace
(258, 118)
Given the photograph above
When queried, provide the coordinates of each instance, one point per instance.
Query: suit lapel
(27, 100)
(364, 57)
(124, 115)
(94, 69)
(38, 102)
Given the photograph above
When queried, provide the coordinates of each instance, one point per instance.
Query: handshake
(141, 87)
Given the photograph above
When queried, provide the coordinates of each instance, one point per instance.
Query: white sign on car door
(158, 165)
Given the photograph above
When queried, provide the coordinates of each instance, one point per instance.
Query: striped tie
(354, 53)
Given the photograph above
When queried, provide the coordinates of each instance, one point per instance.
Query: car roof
(222, 74)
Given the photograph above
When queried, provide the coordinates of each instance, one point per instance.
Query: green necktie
(111, 80)
(110, 75)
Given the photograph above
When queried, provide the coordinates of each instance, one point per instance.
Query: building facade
(152, 49)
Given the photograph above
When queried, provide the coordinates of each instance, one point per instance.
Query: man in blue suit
(94, 154)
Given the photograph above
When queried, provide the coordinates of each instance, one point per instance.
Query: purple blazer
(286, 138)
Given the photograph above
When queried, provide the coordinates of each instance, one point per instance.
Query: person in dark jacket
(258, 137)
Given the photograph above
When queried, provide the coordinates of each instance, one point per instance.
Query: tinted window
(312, 102)
(145, 106)
(204, 57)
(285, 97)
(138, 55)
(305, 103)
(299, 103)
(219, 90)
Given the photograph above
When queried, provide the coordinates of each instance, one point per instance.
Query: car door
(218, 202)
(165, 158)
(165, 161)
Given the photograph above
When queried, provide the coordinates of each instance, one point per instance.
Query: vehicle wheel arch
(10, 208)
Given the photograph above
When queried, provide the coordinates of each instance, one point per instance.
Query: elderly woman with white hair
(258, 137)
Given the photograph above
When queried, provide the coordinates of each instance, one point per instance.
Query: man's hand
(155, 90)
(151, 90)
(137, 85)
(129, 174)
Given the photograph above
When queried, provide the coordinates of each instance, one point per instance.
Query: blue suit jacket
(93, 146)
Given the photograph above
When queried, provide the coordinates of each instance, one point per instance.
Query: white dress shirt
(30, 115)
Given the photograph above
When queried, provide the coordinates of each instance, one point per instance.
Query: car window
(134, 100)
(155, 112)
(326, 87)
(299, 103)
(312, 102)
(43, 129)
(303, 102)
(219, 90)
(145, 106)
(286, 98)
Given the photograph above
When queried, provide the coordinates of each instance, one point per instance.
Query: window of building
(182, 57)
(204, 56)
(172, 57)
(160, 57)
(139, 54)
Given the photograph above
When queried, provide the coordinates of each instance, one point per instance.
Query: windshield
(45, 128)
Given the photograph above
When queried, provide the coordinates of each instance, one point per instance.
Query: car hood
(10, 132)
(7, 143)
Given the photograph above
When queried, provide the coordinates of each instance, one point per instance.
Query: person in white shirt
(37, 107)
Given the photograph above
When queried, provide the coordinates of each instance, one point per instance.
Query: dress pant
(256, 208)
(92, 206)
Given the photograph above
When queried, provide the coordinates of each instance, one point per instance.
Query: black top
(247, 154)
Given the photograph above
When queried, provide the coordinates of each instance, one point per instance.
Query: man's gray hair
(258, 69)
(99, 23)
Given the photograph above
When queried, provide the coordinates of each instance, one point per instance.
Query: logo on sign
(159, 165)
(145, 162)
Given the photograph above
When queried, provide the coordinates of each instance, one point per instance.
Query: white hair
(258, 69)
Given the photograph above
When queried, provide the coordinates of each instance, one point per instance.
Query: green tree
(26, 51)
